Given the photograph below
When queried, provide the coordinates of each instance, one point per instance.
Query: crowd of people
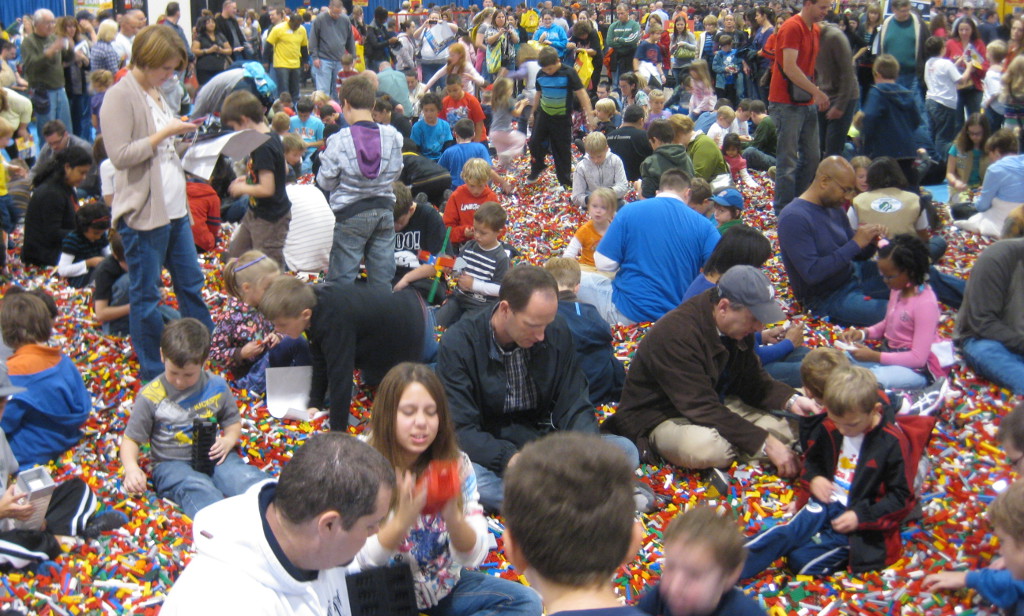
(388, 151)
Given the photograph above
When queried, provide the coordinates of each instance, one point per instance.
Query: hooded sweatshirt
(890, 118)
(236, 571)
(590, 176)
(669, 156)
(358, 166)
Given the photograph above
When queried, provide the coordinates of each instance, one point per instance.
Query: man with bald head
(131, 22)
(829, 264)
(44, 53)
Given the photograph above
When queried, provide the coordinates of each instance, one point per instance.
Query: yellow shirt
(288, 45)
(3, 178)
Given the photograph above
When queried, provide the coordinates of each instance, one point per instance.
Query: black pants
(556, 133)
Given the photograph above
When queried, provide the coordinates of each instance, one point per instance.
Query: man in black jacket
(227, 24)
(511, 377)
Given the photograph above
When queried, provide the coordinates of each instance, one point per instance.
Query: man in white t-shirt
(133, 21)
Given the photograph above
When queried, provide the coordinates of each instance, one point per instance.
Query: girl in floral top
(410, 425)
(242, 336)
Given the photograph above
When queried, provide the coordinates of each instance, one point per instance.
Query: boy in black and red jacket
(859, 471)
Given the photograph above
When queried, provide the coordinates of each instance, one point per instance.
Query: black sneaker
(532, 178)
(102, 522)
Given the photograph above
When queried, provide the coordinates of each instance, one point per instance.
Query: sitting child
(418, 227)
(568, 488)
(732, 152)
(605, 111)
(657, 109)
(859, 483)
(110, 292)
(46, 419)
(728, 208)
(464, 149)
(700, 199)
(464, 201)
(702, 558)
(73, 508)
(911, 324)
(242, 336)
(431, 132)
(423, 175)
(309, 128)
(599, 168)
(595, 352)
(601, 210)
(168, 414)
(725, 117)
(1002, 587)
(84, 248)
(481, 265)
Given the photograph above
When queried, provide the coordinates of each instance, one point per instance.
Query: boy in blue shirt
(309, 127)
(465, 148)
(725, 66)
(430, 132)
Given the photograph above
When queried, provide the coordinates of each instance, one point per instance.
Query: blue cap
(729, 197)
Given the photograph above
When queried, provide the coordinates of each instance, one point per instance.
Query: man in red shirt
(794, 101)
(461, 104)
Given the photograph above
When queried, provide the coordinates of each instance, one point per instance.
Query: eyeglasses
(847, 190)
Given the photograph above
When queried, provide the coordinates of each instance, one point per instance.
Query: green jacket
(707, 158)
(670, 156)
(765, 137)
(623, 36)
(41, 71)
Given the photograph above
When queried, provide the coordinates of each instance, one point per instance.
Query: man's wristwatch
(789, 403)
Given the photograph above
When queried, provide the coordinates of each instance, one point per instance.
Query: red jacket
(205, 207)
(461, 207)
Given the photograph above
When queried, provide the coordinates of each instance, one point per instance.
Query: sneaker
(718, 482)
(771, 172)
(102, 522)
(533, 178)
(643, 497)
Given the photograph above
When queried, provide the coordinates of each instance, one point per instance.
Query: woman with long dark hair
(51, 209)
(211, 49)
(863, 57)
(967, 51)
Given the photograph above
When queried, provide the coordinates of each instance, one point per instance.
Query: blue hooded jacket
(46, 420)
(890, 119)
(999, 587)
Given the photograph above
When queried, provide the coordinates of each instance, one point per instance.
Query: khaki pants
(686, 445)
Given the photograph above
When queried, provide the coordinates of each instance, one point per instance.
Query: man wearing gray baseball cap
(696, 394)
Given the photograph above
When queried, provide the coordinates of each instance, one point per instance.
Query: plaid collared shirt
(520, 390)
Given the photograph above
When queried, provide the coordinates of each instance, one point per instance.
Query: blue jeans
(60, 109)
(326, 76)
(798, 151)
(479, 594)
(787, 369)
(147, 253)
(427, 70)
(7, 214)
(491, 487)
(119, 297)
(193, 490)
(995, 362)
(807, 540)
(234, 210)
(597, 290)
(894, 377)
(367, 237)
(910, 81)
(289, 80)
(758, 160)
(943, 121)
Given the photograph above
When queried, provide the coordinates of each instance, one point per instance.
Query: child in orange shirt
(601, 208)
(464, 202)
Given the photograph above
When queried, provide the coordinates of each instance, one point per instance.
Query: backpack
(265, 86)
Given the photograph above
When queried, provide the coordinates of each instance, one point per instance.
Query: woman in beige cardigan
(150, 209)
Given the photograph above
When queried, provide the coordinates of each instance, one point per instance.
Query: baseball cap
(6, 389)
(748, 286)
(729, 197)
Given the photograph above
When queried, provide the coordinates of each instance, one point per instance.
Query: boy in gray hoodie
(357, 167)
(599, 168)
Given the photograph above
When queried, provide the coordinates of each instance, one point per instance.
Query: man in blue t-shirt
(656, 247)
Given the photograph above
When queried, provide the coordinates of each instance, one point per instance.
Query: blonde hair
(476, 171)
(280, 122)
(501, 93)
(460, 68)
(1013, 81)
(997, 51)
(682, 124)
(250, 268)
(656, 95)
(851, 389)
(101, 78)
(292, 142)
(605, 105)
(860, 162)
(699, 70)
(566, 271)
(727, 112)
(107, 30)
(595, 142)
(710, 20)
(154, 46)
(1006, 513)
(286, 298)
(319, 98)
(817, 367)
(607, 196)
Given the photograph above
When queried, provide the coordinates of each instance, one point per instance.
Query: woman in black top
(211, 50)
(584, 37)
(51, 210)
